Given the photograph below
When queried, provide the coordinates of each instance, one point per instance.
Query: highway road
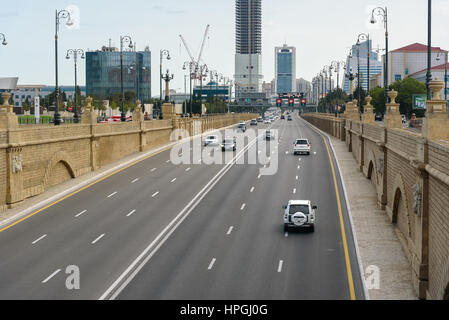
(157, 230)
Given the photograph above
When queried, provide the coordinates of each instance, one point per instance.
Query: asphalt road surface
(193, 231)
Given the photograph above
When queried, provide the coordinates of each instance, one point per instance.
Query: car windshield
(302, 142)
(228, 141)
(299, 208)
(212, 138)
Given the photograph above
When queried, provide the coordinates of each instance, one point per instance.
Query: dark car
(282, 117)
(290, 118)
(379, 116)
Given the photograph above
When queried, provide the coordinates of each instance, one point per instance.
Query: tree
(335, 97)
(406, 89)
(378, 102)
(26, 105)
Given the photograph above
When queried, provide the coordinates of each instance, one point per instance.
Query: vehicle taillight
(308, 145)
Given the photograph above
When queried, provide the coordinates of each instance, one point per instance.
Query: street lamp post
(163, 53)
(429, 49)
(359, 87)
(63, 14)
(75, 53)
(192, 70)
(203, 71)
(123, 40)
(382, 12)
(365, 37)
(3, 39)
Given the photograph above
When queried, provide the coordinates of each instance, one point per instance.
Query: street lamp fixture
(60, 15)
(3, 39)
(383, 13)
(74, 53)
(123, 41)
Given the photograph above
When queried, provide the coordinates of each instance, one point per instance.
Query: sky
(321, 30)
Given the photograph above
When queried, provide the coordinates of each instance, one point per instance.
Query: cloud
(168, 11)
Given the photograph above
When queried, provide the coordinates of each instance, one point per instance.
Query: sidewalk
(378, 242)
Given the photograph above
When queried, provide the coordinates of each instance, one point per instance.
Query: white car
(229, 144)
(299, 214)
(267, 121)
(302, 146)
(211, 141)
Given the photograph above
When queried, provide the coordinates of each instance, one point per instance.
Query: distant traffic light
(291, 102)
(279, 103)
(303, 102)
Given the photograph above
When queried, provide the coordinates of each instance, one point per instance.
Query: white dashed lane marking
(212, 263)
(39, 239)
(81, 213)
(98, 239)
(51, 276)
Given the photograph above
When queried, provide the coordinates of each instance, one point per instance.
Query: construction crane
(197, 62)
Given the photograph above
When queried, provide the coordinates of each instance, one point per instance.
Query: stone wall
(34, 158)
(411, 175)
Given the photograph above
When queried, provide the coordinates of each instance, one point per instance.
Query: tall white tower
(248, 58)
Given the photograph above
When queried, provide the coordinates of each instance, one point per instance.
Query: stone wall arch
(399, 197)
(60, 157)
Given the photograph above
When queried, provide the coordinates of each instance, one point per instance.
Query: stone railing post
(393, 117)
(89, 115)
(436, 123)
(14, 177)
(368, 114)
(139, 117)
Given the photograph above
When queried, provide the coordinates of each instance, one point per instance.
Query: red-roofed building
(409, 60)
(438, 72)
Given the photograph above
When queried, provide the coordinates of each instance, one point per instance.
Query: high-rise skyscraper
(248, 57)
(285, 58)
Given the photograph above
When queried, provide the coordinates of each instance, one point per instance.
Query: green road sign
(420, 101)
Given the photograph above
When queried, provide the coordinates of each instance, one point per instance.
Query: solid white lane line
(281, 264)
(135, 180)
(230, 231)
(98, 239)
(294, 191)
(211, 265)
(252, 189)
(154, 195)
(39, 239)
(259, 176)
(131, 213)
(51, 276)
(154, 169)
(243, 207)
(112, 194)
(81, 213)
(188, 169)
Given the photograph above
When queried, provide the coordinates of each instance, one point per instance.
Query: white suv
(299, 214)
(302, 146)
(211, 141)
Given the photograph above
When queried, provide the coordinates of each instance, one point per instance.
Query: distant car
(282, 117)
(299, 214)
(229, 144)
(269, 135)
(267, 121)
(253, 122)
(242, 126)
(379, 116)
(302, 146)
(211, 141)
(259, 119)
(290, 118)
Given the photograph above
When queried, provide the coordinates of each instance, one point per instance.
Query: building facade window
(397, 77)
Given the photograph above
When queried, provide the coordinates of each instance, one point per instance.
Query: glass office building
(103, 73)
(285, 69)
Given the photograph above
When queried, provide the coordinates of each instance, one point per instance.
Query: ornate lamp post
(202, 74)
(365, 37)
(3, 39)
(74, 53)
(192, 69)
(60, 15)
(123, 40)
(163, 53)
(383, 13)
(351, 76)
(429, 49)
